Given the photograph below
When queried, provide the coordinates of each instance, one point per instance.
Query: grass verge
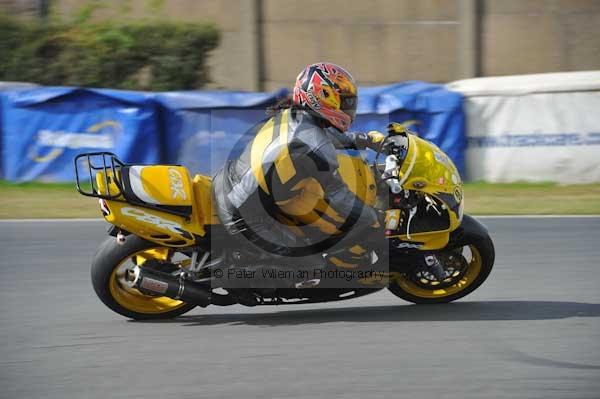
(40, 200)
(532, 199)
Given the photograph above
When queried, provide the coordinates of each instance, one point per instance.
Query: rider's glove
(372, 140)
(375, 137)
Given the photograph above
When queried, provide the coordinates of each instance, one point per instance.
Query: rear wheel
(109, 268)
(466, 268)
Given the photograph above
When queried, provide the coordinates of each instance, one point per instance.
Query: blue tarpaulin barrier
(202, 129)
(43, 129)
(430, 110)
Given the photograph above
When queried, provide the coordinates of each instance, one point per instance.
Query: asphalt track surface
(531, 331)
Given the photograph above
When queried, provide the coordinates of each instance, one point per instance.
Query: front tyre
(109, 268)
(467, 267)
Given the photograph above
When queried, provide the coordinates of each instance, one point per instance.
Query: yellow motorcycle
(166, 241)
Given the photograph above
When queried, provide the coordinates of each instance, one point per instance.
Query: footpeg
(120, 238)
(308, 283)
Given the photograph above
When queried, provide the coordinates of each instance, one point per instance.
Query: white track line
(85, 220)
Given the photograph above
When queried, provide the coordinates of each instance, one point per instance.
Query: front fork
(421, 260)
(434, 266)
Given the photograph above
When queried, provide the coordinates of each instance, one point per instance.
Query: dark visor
(349, 105)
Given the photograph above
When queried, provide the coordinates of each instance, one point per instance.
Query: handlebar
(395, 147)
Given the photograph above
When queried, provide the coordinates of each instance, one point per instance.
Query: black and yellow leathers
(293, 152)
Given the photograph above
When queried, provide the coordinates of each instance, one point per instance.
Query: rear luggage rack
(95, 162)
(88, 165)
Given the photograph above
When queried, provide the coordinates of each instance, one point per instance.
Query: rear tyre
(108, 272)
(478, 259)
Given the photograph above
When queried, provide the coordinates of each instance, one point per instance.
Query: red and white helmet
(330, 91)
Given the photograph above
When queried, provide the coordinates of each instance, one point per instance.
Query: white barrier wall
(533, 127)
(16, 85)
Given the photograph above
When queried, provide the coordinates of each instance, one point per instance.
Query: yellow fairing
(162, 184)
(153, 225)
(358, 177)
(112, 189)
(430, 240)
(158, 226)
(203, 201)
(428, 169)
(157, 184)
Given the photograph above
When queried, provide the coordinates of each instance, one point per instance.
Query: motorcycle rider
(295, 151)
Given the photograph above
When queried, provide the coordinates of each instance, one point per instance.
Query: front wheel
(109, 269)
(466, 267)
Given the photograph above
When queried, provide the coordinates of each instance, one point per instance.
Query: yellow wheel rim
(131, 298)
(473, 271)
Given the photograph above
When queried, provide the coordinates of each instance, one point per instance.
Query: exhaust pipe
(159, 283)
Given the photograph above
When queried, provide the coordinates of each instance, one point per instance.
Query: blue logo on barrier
(50, 144)
(536, 140)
